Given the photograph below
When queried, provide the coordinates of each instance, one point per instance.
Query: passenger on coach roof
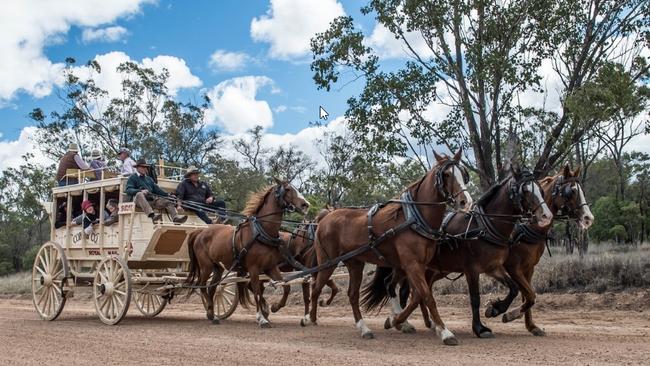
(191, 189)
(147, 194)
(97, 163)
(128, 165)
(70, 160)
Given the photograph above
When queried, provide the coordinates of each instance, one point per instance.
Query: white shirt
(128, 167)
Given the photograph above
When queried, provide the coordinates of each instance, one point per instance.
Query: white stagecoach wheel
(149, 304)
(226, 299)
(112, 290)
(48, 278)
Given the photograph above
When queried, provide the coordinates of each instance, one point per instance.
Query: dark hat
(192, 170)
(141, 162)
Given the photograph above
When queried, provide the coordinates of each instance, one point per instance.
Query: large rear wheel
(49, 276)
(112, 290)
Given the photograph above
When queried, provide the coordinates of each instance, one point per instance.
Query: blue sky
(193, 31)
(261, 49)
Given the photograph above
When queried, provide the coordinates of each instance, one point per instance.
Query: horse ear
(438, 157)
(515, 169)
(459, 154)
(567, 171)
(576, 173)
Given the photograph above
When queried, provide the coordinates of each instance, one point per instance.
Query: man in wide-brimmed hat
(97, 163)
(70, 160)
(127, 166)
(198, 196)
(148, 195)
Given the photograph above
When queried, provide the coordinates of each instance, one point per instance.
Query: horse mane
(256, 200)
(392, 209)
(489, 194)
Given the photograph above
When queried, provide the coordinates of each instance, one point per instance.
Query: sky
(251, 58)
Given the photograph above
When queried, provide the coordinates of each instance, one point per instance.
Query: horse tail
(243, 293)
(194, 263)
(374, 295)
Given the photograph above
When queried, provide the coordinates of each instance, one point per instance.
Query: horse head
(451, 180)
(289, 198)
(569, 197)
(527, 195)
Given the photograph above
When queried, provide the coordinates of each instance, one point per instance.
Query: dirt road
(590, 330)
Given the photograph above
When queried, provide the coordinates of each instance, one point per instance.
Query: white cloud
(108, 34)
(110, 80)
(305, 139)
(234, 107)
(11, 151)
(280, 109)
(289, 25)
(222, 60)
(27, 26)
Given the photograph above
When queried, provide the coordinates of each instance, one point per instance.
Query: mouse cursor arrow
(322, 113)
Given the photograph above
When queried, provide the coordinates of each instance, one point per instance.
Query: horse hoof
(537, 332)
(388, 324)
(513, 315)
(322, 303)
(407, 328)
(368, 335)
(216, 321)
(274, 309)
(265, 325)
(303, 323)
(210, 316)
(450, 341)
(486, 334)
(490, 311)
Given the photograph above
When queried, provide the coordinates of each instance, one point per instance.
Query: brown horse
(563, 193)
(479, 243)
(398, 234)
(253, 246)
(301, 246)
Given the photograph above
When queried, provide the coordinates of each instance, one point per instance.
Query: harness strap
(414, 218)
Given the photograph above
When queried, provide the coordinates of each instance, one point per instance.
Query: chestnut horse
(398, 234)
(253, 246)
(563, 193)
(479, 243)
(300, 244)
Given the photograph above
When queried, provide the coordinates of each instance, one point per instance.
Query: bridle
(279, 193)
(516, 192)
(450, 197)
(563, 188)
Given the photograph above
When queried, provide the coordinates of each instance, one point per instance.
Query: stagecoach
(132, 259)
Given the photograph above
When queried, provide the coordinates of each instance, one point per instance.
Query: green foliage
(22, 217)
(143, 118)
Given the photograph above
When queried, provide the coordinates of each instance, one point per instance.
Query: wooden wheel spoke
(119, 300)
(231, 293)
(103, 305)
(45, 260)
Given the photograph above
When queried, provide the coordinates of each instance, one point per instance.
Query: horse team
(412, 240)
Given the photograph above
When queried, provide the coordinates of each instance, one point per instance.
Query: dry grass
(17, 283)
(605, 268)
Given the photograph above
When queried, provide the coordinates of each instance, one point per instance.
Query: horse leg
(530, 324)
(527, 293)
(316, 289)
(334, 290)
(258, 288)
(355, 270)
(305, 296)
(216, 277)
(398, 303)
(432, 277)
(286, 289)
(417, 279)
(208, 302)
(479, 329)
(498, 307)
